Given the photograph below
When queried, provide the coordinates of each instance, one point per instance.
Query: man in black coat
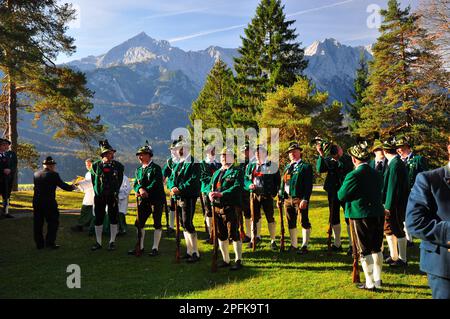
(8, 168)
(45, 206)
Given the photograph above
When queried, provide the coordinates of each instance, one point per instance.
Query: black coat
(45, 183)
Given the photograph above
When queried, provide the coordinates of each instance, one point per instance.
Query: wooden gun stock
(254, 230)
(355, 271)
(177, 234)
(215, 240)
(280, 208)
(137, 247)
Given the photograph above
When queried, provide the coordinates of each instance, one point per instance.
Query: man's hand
(252, 186)
(319, 149)
(304, 204)
(7, 171)
(340, 151)
(143, 193)
(175, 191)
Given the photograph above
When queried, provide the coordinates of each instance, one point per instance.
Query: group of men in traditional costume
(373, 194)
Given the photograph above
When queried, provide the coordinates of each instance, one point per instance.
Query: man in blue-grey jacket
(428, 218)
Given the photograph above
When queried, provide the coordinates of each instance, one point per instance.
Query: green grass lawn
(28, 273)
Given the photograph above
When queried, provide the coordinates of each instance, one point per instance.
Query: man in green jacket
(380, 161)
(149, 188)
(395, 198)
(415, 164)
(361, 191)
(295, 191)
(225, 195)
(107, 175)
(167, 171)
(207, 168)
(184, 185)
(262, 179)
(336, 164)
(244, 212)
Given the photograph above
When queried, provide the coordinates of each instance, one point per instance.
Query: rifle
(204, 213)
(166, 209)
(329, 232)
(240, 215)
(254, 230)
(215, 241)
(177, 232)
(355, 272)
(137, 248)
(280, 208)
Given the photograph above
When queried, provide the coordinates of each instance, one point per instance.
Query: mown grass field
(28, 273)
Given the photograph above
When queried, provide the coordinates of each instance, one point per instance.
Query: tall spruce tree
(360, 85)
(301, 112)
(269, 57)
(406, 92)
(32, 34)
(214, 103)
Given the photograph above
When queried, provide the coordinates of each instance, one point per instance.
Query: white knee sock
(6, 207)
(237, 245)
(258, 229)
(194, 244)
(337, 235)
(293, 235)
(349, 235)
(98, 234)
(187, 239)
(156, 238)
(402, 248)
(171, 219)
(208, 224)
(248, 227)
(306, 234)
(113, 231)
(392, 243)
(408, 235)
(141, 244)
(223, 245)
(367, 265)
(272, 231)
(377, 267)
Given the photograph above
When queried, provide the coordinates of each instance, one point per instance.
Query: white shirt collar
(144, 166)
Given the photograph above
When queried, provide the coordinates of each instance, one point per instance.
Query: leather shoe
(111, 246)
(237, 265)
(97, 246)
(54, 246)
(246, 239)
(154, 252)
(398, 263)
(336, 249)
(273, 246)
(223, 265)
(363, 286)
(194, 258)
(303, 251)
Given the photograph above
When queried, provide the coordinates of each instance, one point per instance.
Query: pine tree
(269, 57)
(32, 34)
(360, 85)
(213, 105)
(301, 112)
(406, 92)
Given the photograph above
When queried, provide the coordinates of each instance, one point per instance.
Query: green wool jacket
(231, 186)
(361, 192)
(206, 172)
(414, 165)
(301, 182)
(271, 178)
(100, 174)
(150, 178)
(336, 171)
(396, 187)
(186, 176)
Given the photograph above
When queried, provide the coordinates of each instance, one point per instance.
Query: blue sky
(197, 24)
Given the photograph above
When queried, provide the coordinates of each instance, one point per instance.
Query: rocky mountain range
(144, 89)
